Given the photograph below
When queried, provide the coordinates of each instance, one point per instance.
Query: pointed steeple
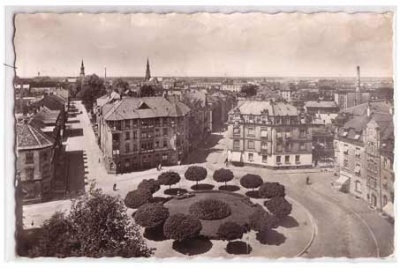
(148, 75)
(82, 69)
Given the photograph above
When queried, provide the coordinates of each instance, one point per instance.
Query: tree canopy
(223, 175)
(151, 215)
(136, 198)
(181, 226)
(147, 91)
(97, 226)
(271, 189)
(231, 231)
(196, 173)
(151, 184)
(279, 206)
(251, 181)
(249, 90)
(93, 88)
(169, 178)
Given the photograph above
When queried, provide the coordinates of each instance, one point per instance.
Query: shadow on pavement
(229, 188)
(159, 199)
(175, 191)
(76, 173)
(254, 194)
(154, 234)
(288, 222)
(194, 246)
(270, 237)
(74, 132)
(202, 187)
(238, 248)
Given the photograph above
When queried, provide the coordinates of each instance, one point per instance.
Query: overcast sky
(254, 44)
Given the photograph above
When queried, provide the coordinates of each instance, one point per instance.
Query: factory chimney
(358, 87)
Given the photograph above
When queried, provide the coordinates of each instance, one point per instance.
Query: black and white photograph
(203, 135)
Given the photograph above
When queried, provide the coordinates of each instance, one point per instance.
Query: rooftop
(321, 104)
(29, 137)
(256, 107)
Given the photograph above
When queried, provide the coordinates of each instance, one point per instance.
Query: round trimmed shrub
(230, 231)
(196, 173)
(136, 198)
(271, 190)
(151, 184)
(151, 215)
(251, 181)
(223, 175)
(279, 206)
(210, 209)
(261, 220)
(181, 227)
(169, 178)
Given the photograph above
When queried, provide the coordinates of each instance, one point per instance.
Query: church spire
(82, 69)
(147, 77)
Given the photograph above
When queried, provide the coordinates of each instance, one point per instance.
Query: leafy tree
(251, 181)
(279, 206)
(223, 175)
(136, 198)
(169, 178)
(261, 220)
(121, 84)
(147, 91)
(271, 189)
(93, 88)
(180, 227)
(231, 231)
(210, 209)
(151, 215)
(152, 185)
(97, 226)
(196, 173)
(249, 90)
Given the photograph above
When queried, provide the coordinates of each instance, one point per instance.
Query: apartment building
(270, 134)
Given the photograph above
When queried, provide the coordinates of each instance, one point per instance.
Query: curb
(315, 227)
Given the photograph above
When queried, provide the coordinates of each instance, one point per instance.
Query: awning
(236, 157)
(388, 209)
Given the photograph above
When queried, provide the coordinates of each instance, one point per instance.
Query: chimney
(358, 87)
(369, 109)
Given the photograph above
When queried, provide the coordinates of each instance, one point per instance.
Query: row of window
(143, 122)
(143, 134)
(278, 158)
(264, 133)
(29, 157)
(264, 145)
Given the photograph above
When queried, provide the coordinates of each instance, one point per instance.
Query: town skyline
(208, 45)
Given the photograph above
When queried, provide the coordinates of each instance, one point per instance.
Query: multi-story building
(140, 133)
(268, 133)
(387, 173)
(34, 162)
(358, 146)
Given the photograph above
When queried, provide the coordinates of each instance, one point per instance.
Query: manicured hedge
(136, 198)
(230, 231)
(279, 206)
(210, 209)
(181, 226)
(196, 173)
(168, 178)
(261, 220)
(223, 175)
(151, 215)
(251, 181)
(150, 184)
(271, 190)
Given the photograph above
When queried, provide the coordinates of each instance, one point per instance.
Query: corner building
(140, 133)
(270, 134)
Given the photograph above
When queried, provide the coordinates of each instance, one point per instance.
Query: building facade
(270, 134)
(140, 133)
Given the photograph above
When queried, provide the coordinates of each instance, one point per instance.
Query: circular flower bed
(210, 209)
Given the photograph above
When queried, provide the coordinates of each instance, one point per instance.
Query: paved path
(347, 227)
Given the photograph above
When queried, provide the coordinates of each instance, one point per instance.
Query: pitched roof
(256, 107)
(53, 102)
(148, 107)
(29, 137)
(321, 104)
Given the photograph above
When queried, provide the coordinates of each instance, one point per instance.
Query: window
(126, 163)
(358, 153)
(251, 131)
(278, 159)
(358, 186)
(297, 158)
(127, 147)
(164, 157)
(278, 120)
(385, 200)
(30, 173)
(251, 159)
(134, 135)
(287, 158)
(134, 147)
(29, 158)
(43, 156)
(236, 131)
(279, 147)
(264, 158)
(157, 144)
(302, 133)
(144, 135)
(278, 134)
(236, 145)
(127, 123)
(264, 133)
(157, 134)
(165, 144)
(302, 146)
(264, 145)
(165, 131)
(250, 145)
(346, 163)
(357, 170)
(127, 136)
(115, 137)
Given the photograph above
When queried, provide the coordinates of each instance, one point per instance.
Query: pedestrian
(332, 182)
(226, 162)
(308, 180)
(179, 162)
(115, 187)
(159, 166)
(32, 223)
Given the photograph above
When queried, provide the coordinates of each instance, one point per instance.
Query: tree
(262, 220)
(231, 231)
(151, 215)
(210, 209)
(169, 178)
(251, 181)
(97, 226)
(121, 85)
(147, 91)
(271, 189)
(180, 227)
(223, 175)
(279, 206)
(249, 90)
(93, 88)
(151, 184)
(196, 173)
(136, 198)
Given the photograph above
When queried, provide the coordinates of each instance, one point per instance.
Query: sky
(205, 44)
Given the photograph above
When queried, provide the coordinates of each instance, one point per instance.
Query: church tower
(147, 77)
(82, 74)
